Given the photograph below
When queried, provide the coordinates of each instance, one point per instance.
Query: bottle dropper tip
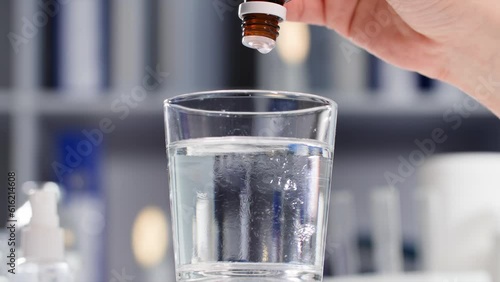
(261, 43)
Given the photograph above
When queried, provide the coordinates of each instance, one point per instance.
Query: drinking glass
(250, 175)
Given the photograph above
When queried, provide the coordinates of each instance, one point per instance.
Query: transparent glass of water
(250, 176)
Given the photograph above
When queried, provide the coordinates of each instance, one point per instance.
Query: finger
(376, 27)
(307, 11)
(335, 14)
(340, 14)
(432, 17)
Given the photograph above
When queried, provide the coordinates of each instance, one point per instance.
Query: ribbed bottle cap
(262, 7)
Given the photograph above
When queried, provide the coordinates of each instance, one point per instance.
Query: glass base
(249, 272)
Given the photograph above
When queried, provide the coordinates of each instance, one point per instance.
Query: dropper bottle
(261, 23)
(43, 243)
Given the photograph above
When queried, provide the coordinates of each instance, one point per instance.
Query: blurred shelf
(417, 107)
(5, 103)
(4, 129)
(60, 104)
(71, 104)
(356, 105)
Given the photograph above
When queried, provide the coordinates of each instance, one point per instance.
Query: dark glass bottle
(261, 23)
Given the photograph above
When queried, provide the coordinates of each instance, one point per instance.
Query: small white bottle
(43, 243)
(387, 238)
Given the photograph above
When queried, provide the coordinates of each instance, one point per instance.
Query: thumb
(425, 15)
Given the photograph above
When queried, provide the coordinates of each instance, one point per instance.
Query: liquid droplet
(264, 50)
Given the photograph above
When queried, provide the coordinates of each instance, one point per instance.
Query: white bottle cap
(262, 7)
(43, 239)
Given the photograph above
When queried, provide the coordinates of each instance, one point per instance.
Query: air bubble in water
(202, 196)
(296, 203)
(305, 232)
(290, 185)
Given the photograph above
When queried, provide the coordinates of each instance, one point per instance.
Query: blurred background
(82, 83)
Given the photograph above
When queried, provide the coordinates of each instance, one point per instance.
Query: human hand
(454, 41)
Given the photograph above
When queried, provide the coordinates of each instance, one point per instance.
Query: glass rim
(323, 102)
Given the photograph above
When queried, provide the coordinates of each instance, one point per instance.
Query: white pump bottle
(43, 243)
